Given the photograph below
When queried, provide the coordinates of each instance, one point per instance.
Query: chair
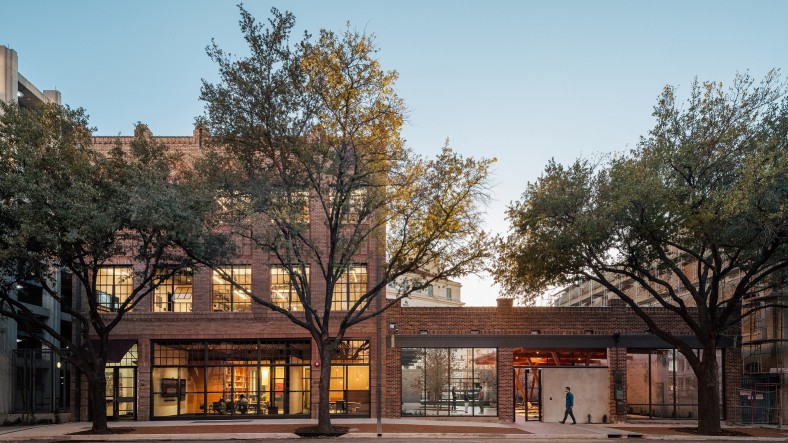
(243, 408)
(230, 407)
(341, 406)
(218, 407)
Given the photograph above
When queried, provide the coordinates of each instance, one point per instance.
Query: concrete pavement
(250, 429)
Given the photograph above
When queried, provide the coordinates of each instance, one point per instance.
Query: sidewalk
(256, 429)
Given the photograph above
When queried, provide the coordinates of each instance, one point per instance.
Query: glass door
(121, 393)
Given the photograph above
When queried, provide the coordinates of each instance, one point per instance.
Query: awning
(116, 349)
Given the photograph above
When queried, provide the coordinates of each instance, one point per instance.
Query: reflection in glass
(449, 382)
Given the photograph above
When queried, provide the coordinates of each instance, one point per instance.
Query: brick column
(617, 364)
(143, 379)
(505, 385)
(731, 371)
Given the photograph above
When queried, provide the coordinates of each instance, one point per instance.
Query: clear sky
(522, 81)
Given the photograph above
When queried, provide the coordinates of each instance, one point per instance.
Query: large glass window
(349, 385)
(114, 284)
(350, 287)
(661, 384)
(283, 292)
(449, 382)
(217, 379)
(174, 294)
(232, 297)
(233, 207)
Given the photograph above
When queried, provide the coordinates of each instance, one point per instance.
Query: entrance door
(121, 393)
(528, 392)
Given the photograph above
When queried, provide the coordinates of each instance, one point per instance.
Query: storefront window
(449, 382)
(349, 385)
(661, 384)
(231, 378)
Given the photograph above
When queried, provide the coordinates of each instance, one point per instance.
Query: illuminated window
(113, 286)
(174, 294)
(233, 207)
(229, 297)
(350, 287)
(283, 292)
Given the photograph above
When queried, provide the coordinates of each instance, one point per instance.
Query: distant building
(443, 292)
(32, 378)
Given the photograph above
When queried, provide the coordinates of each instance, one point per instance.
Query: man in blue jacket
(570, 402)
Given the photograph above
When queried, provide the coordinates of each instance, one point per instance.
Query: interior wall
(590, 387)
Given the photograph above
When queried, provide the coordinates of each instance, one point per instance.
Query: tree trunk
(323, 416)
(97, 388)
(708, 394)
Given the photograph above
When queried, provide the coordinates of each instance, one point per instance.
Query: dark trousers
(569, 413)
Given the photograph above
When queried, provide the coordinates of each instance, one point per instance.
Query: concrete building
(33, 382)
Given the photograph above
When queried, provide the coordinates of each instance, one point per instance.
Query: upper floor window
(430, 291)
(291, 207)
(283, 292)
(350, 287)
(174, 294)
(229, 297)
(353, 205)
(114, 284)
(448, 293)
(233, 207)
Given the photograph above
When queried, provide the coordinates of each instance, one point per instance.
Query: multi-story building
(196, 345)
(32, 378)
(441, 292)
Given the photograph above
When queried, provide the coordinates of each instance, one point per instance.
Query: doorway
(528, 392)
(121, 393)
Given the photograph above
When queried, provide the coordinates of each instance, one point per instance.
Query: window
(291, 207)
(353, 206)
(232, 207)
(283, 292)
(350, 287)
(349, 382)
(174, 294)
(449, 382)
(448, 293)
(430, 291)
(114, 284)
(229, 297)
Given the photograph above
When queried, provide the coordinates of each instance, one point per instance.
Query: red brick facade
(453, 325)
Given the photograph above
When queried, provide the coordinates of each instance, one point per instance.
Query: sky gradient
(522, 81)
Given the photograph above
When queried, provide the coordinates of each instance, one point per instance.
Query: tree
(308, 134)
(65, 206)
(695, 216)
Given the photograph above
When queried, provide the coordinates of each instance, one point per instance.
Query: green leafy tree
(694, 217)
(65, 206)
(307, 135)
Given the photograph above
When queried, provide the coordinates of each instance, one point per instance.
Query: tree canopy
(306, 147)
(65, 206)
(695, 217)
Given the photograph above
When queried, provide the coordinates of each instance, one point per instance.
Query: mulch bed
(290, 428)
(727, 432)
(108, 432)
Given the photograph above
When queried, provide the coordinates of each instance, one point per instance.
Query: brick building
(196, 346)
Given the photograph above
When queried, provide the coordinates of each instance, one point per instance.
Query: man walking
(570, 402)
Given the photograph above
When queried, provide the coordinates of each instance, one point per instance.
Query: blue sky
(522, 81)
